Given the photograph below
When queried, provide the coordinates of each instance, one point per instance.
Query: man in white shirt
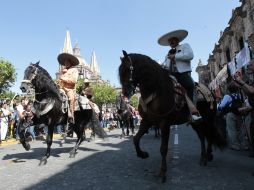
(178, 62)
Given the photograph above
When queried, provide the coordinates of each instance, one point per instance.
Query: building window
(228, 55)
(241, 43)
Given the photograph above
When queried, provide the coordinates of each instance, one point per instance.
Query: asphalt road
(112, 164)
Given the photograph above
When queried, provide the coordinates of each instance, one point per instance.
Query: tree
(104, 94)
(7, 75)
(7, 94)
(134, 101)
(79, 85)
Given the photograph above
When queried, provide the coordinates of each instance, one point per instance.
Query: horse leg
(79, 131)
(127, 128)
(144, 126)
(22, 138)
(132, 126)
(64, 135)
(209, 151)
(203, 157)
(156, 132)
(165, 130)
(49, 143)
(123, 132)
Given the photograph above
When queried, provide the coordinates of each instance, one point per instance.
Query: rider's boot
(195, 117)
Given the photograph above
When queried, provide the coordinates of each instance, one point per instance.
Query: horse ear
(37, 62)
(125, 53)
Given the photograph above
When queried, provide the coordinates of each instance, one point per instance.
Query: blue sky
(35, 30)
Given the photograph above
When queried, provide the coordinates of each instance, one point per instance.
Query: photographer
(28, 122)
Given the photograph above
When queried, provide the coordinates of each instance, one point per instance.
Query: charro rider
(178, 62)
(68, 78)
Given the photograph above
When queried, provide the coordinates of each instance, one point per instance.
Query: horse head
(126, 73)
(27, 84)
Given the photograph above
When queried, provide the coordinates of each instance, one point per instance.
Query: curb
(14, 141)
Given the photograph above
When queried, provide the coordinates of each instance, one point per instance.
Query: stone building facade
(240, 30)
(204, 76)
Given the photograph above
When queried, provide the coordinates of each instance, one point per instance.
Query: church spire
(67, 43)
(94, 65)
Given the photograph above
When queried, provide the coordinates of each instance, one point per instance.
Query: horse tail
(212, 129)
(219, 136)
(97, 128)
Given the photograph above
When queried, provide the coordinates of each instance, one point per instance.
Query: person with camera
(178, 62)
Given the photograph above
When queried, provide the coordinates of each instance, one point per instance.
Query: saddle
(201, 93)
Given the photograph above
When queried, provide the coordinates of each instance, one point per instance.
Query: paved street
(113, 164)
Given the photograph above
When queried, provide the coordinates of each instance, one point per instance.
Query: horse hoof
(163, 179)
(27, 147)
(72, 154)
(43, 161)
(203, 163)
(143, 155)
(210, 157)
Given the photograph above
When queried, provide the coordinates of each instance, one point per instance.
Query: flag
(242, 58)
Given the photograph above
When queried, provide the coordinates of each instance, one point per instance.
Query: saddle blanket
(84, 103)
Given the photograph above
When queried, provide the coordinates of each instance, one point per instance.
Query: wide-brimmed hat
(180, 34)
(63, 56)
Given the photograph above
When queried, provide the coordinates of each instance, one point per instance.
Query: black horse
(124, 116)
(158, 107)
(48, 107)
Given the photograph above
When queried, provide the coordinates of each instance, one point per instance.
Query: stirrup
(196, 118)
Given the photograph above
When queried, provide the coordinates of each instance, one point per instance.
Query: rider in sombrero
(68, 78)
(178, 62)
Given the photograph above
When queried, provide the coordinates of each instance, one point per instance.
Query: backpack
(236, 103)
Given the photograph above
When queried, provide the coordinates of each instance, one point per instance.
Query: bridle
(32, 77)
(133, 84)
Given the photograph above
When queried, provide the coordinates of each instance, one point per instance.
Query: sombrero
(63, 56)
(180, 34)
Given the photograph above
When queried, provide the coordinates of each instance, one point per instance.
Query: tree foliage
(7, 95)
(104, 94)
(7, 75)
(134, 101)
(79, 85)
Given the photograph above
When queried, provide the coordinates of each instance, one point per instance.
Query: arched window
(241, 43)
(228, 55)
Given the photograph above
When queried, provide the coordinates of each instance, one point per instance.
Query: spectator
(4, 115)
(228, 105)
(28, 116)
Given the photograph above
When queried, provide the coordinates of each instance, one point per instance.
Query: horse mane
(51, 85)
(151, 74)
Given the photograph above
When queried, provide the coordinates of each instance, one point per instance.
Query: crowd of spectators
(14, 114)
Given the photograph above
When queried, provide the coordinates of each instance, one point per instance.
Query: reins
(146, 103)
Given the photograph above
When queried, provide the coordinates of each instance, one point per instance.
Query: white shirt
(183, 57)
